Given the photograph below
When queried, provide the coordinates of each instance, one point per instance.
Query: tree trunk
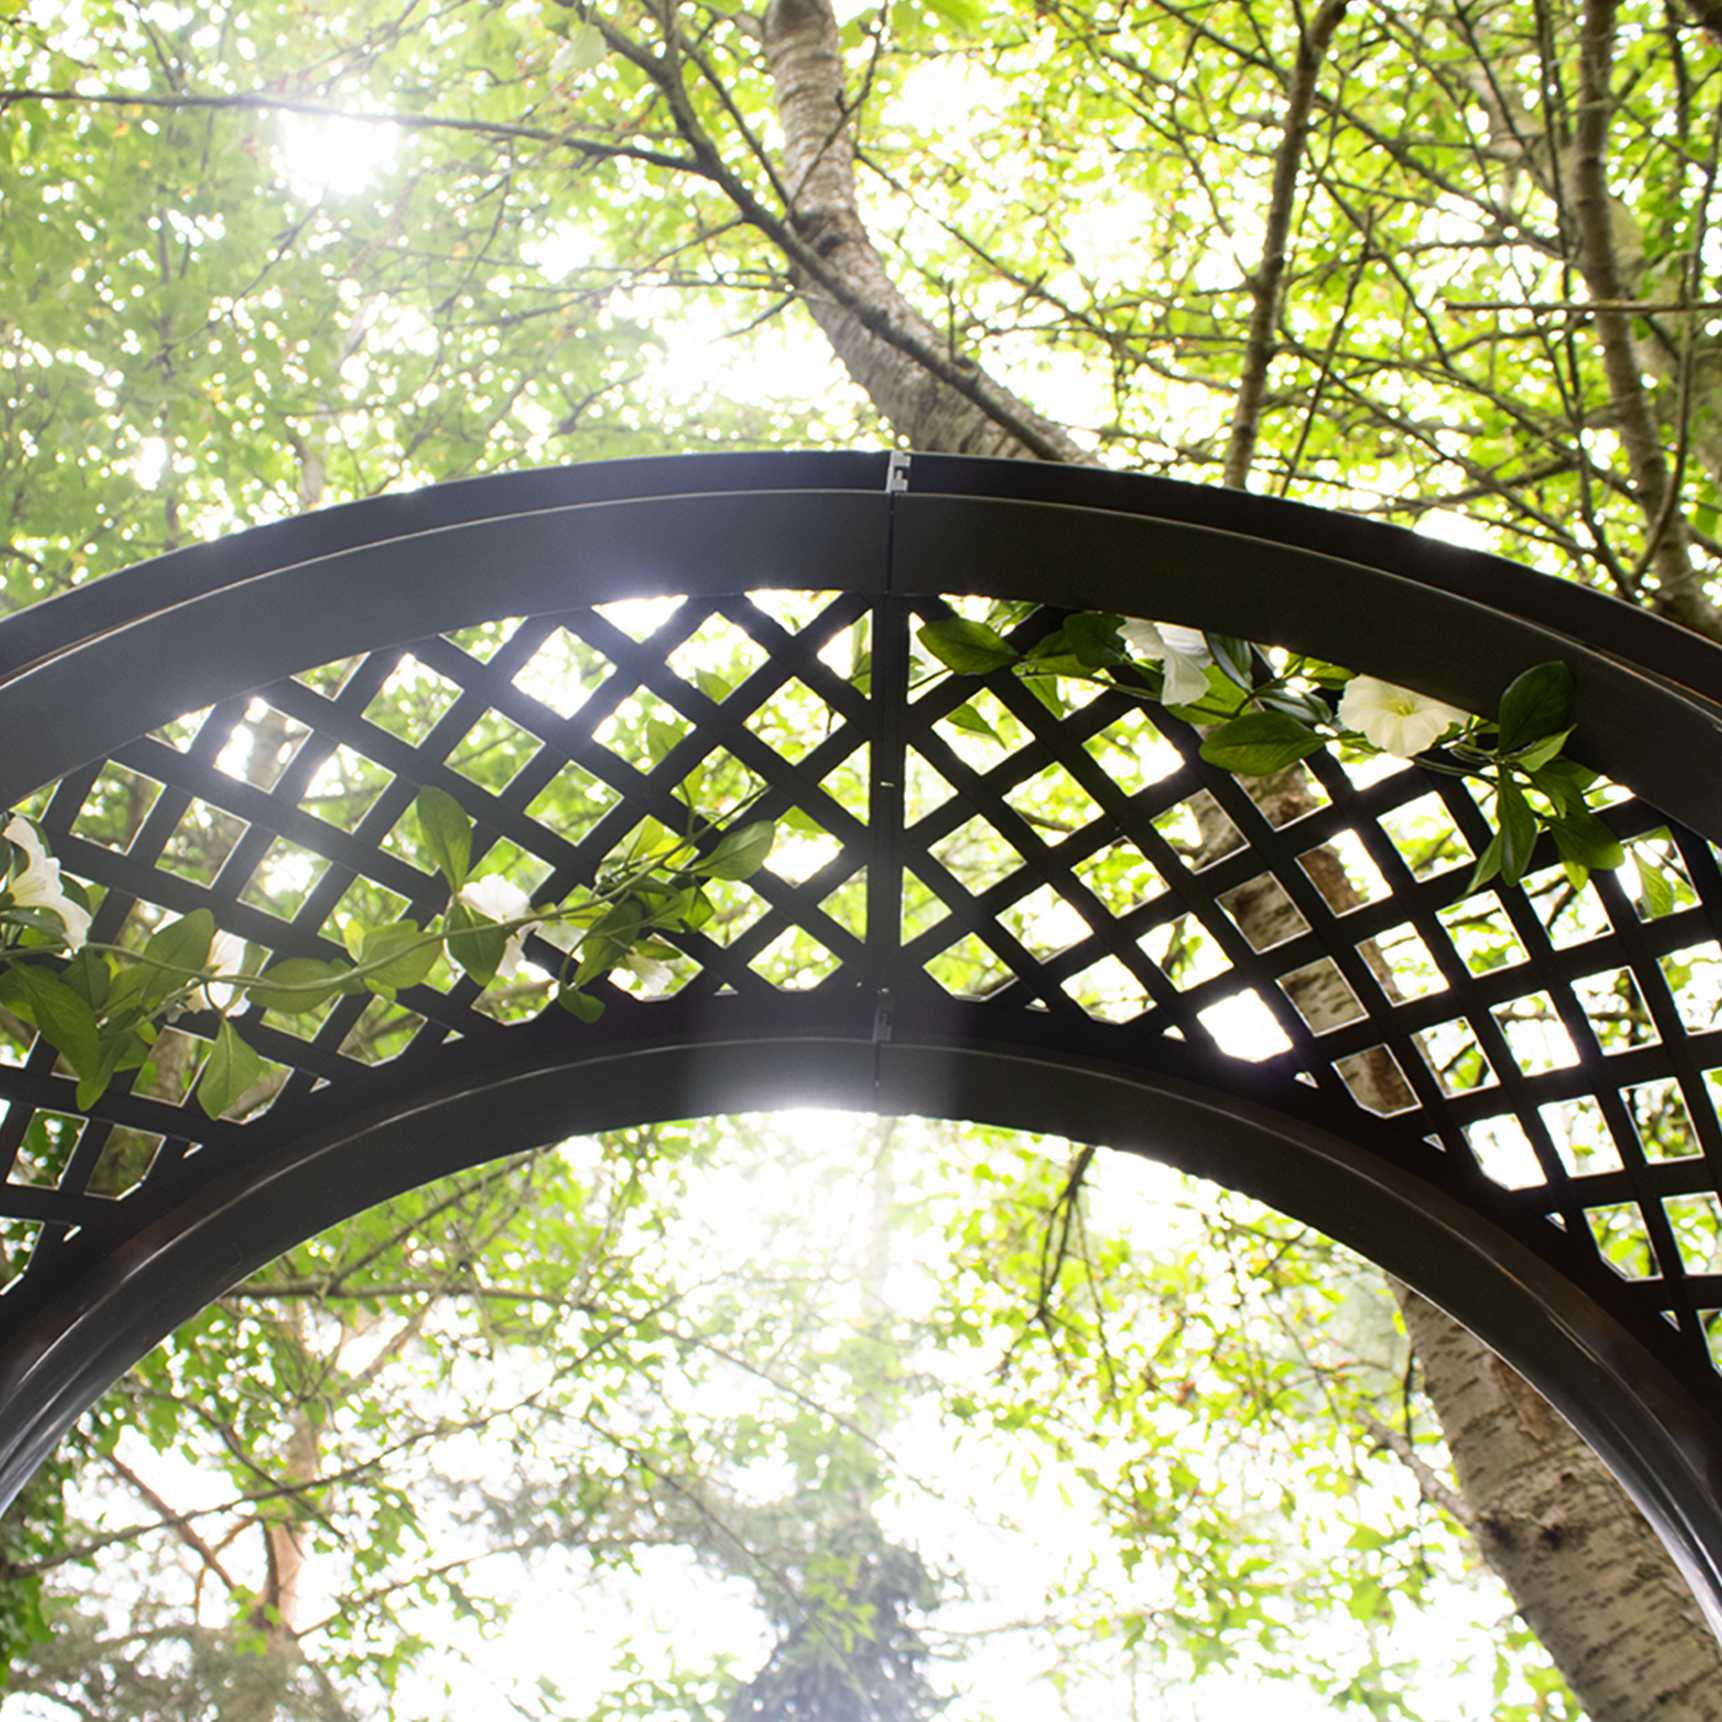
(819, 156)
(1680, 592)
(1582, 1565)
(1587, 1572)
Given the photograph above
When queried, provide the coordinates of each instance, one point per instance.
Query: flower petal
(19, 830)
(1143, 638)
(1186, 680)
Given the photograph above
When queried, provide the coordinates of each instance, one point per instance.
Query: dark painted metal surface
(85, 678)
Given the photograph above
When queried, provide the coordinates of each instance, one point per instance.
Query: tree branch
(257, 101)
(1679, 594)
(1264, 313)
(1430, 1484)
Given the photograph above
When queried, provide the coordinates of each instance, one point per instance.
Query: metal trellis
(895, 976)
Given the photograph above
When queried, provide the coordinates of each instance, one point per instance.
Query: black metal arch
(880, 1019)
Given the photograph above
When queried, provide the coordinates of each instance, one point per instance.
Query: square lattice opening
(562, 674)
(1616, 1010)
(1264, 912)
(1121, 876)
(116, 806)
(261, 746)
(1581, 1135)
(411, 701)
(344, 788)
(1661, 1120)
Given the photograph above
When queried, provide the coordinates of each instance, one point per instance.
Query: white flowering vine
(1396, 720)
(1181, 653)
(33, 887)
(101, 1006)
(1258, 720)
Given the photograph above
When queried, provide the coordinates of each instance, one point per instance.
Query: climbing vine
(102, 1005)
(1264, 712)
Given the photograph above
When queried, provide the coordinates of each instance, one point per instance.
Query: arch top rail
(1584, 617)
(1510, 1096)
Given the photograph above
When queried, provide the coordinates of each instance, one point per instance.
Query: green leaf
(969, 648)
(42, 921)
(597, 957)
(1536, 704)
(136, 1044)
(966, 17)
(447, 833)
(652, 837)
(93, 1084)
(297, 986)
(1557, 787)
(1488, 865)
(662, 736)
(182, 947)
(586, 47)
(1260, 742)
(715, 687)
(1580, 836)
(88, 976)
(582, 1005)
(403, 951)
(742, 852)
(1044, 663)
(1533, 758)
(965, 717)
(231, 1070)
(1234, 658)
(1045, 689)
(475, 942)
(1657, 887)
(65, 1019)
(625, 921)
(126, 993)
(1328, 675)
(1092, 639)
(1305, 707)
(1518, 830)
(1566, 775)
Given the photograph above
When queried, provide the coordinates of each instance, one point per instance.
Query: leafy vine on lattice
(1262, 717)
(102, 1006)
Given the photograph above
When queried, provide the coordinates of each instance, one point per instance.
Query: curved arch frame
(220, 620)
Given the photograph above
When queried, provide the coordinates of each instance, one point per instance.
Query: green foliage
(32, 1530)
(231, 1070)
(447, 834)
(969, 648)
(1260, 743)
(739, 854)
(1258, 726)
(108, 1005)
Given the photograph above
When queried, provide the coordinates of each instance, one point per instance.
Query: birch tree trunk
(1583, 1567)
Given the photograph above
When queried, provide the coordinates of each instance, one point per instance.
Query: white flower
(226, 956)
(38, 886)
(1180, 652)
(1397, 720)
(652, 975)
(500, 899)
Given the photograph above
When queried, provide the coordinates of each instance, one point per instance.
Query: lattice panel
(1554, 1054)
